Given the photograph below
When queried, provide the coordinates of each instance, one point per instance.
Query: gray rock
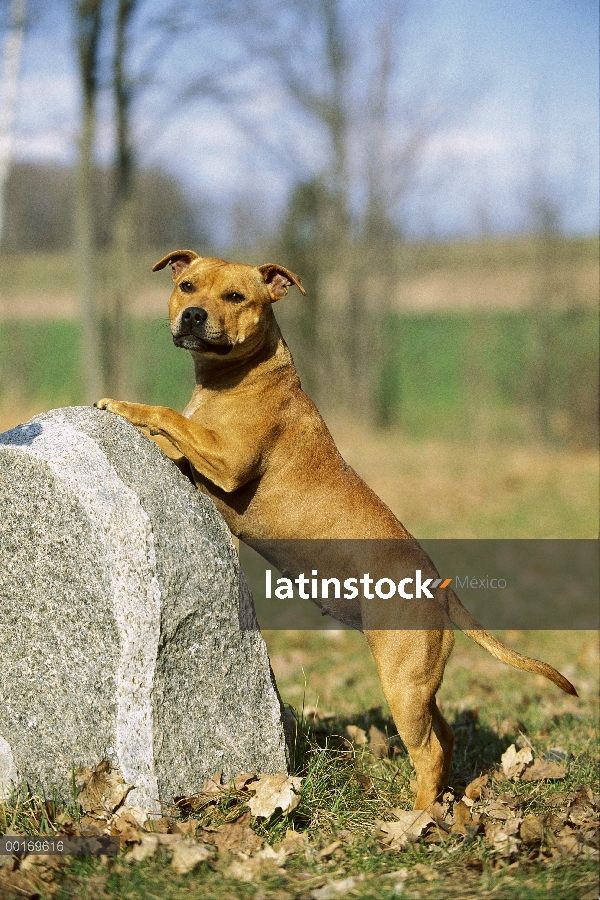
(127, 632)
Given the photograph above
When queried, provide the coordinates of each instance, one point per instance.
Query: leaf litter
(218, 829)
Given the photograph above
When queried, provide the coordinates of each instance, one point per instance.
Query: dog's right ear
(278, 280)
(178, 260)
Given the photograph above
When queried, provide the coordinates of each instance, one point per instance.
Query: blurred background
(430, 170)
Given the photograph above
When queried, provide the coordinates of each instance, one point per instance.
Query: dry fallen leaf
(503, 837)
(169, 840)
(100, 791)
(188, 828)
(531, 830)
(293, 842)
(265, 862)
(127, 828)
(436, 836)
(584, 792)
(542, 769)
(146, 849)
(410, 825)
(272, 792)
(462, 817)
(136, 813)
(36, 877)
(366, 783)
(329, 850)
(41, 864)
(474, 789)
(213, 784)
(572, 843)
(582, 813)
(90, 826)
(515, 761)
(188, 854)
(378, 742)
(357, 735)
(240, 781)
(439, 812)
(498, 810)
(335, 889)
(210, 792)
(236, 837)
(161, 825)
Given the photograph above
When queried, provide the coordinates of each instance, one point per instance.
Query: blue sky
(535, 67)
(540, 60)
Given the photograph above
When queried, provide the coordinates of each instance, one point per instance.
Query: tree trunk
(88, 27)
(8, 97)
(123, 221)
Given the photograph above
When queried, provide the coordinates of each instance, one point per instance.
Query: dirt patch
(65, 305)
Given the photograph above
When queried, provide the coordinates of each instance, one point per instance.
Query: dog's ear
(279, 280)
(178, 260)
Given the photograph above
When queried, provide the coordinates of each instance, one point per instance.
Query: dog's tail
(463, 619)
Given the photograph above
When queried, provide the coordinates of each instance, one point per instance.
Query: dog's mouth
(192, 342)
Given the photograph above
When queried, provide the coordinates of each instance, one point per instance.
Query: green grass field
(450, 376)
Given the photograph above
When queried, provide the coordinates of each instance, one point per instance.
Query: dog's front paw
(136, 413)
(108, 404)
(118, 407)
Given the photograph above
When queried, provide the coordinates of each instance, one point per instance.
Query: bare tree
(103, 329)
(306, 61)
(8, 93)
(340, 70)
(123, 204)
(347, 81)
(88, 18)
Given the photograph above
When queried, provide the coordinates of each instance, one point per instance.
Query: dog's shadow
(477, 750)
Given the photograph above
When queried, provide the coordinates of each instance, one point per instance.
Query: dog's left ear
(178, 260)
(278, 280)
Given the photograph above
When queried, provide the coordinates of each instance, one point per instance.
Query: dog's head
(222, 308)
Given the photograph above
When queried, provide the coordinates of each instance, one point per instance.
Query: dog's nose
(194, 315)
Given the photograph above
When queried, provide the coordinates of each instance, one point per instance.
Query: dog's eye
(187, 287)
(234, 297)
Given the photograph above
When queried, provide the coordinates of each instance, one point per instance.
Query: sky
(532, 67)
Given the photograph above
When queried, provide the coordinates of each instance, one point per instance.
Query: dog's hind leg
(411, 666)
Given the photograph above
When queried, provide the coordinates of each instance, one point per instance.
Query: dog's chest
(192, 407)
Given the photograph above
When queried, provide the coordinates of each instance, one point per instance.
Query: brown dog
(259, 448)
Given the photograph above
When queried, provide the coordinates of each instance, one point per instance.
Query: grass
(446, 376)
(155, 881)
(492, 374)
(479, 489)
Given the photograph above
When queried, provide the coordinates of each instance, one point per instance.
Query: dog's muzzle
(192, 333)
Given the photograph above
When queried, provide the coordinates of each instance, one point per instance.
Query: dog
(253, 441)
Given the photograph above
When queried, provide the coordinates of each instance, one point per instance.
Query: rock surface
(127, 632)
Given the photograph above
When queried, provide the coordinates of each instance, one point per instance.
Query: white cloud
(471, 143)
(47, 117)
